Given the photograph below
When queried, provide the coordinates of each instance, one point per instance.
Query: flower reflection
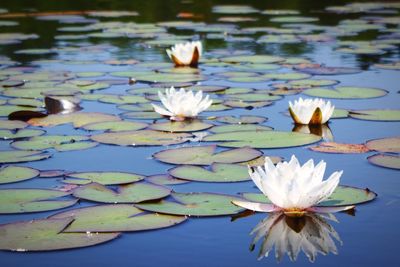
(322, 130)
(311, 234)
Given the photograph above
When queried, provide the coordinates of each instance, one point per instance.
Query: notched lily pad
(332, 147)
(12, 174)
(195, 204)
(115, 126)
(58, 142)
(104, 178)
(390, 144)
(346, 92)
(206, 155)
(239, 127)
(387, 161)
(219, 172)
(241, 119)
(116, 218)
(14, 156)
(130, 193)
(180, 126)
(164, 179)
(32, 200)
(141, 138)
(46, 235)
(262, 139)
(21, 133)
(376, 114)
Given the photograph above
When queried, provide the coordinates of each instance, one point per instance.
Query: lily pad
(332, 147)
(206, 155)
(376, 114)
(130, 193)
(46, 235)
(6, 110)
(22, 133)
(78, 119)
(115, 126)
(239, 127)
(12, 174)
(262, 139)
(307, 83)
(12, 125)
(255, 97)
(293, 19)
(195, 204)
(142, 115)
(32, 200)
(386, 161)
(180, 126)
(247, 104)
(116, 218)
(219, 172)
(164, 179)
(342, 196)
(141, 138)
(256, 59)
(346, 92)
(241, 119)
(14, 156)
(58, 142)
(391, 144)
(104, 178)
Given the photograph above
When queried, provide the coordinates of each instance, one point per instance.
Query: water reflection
(311, 234)
(322, 130)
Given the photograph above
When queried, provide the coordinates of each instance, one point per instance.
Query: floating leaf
(293, 19)
(58, 142)
(104, 178)
(12, 174)
(342, 196)
(22, 133)
(391, 144)
(141, 138)
(165, 179)
(180, 126)
(332, 147)
(219, 172)
(11, 125)
(256, 59)
(6, 110)
(131, 193)
(346, 92)
(246, 105)
(46, 235)
(312, 83)
(116, 218)
(239, 127)
(387, 161)
(241, 119)
(206, 155)
(262, 139)
(32, 200)
(115, 126)
(323, 70)
(376, 114)
(255, 97)
(195, 204)
(139, 115)
(77, 119)
(12, 156)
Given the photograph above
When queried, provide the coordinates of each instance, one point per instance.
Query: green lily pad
(142, 115)
(14, 156)
(293, 19)
(26, 102)
(219, 172)
(141, 138)
(12, 125)
(130, 193)
(206, 155)
(340, 113)
(391, 144)
(32, 200)
(104, 178)
(46, 235)
(376, 114)
(180, 126)
(12, 174)
(116, 218)
(195, 204)
(78, 119)
(307, 83)
(234, 9)
(255, 97)
(241, 119)
(123, 99)
(6, 110)
(239, 127)
(58, 142)
(342, 196)
(256, 59)
(164, 179)
(262, 139)
(247, 104)
(115, 126)
(286, 76)
(22, 133)
(387, 161)
(346, 92)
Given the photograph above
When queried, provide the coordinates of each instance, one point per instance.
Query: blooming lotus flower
(292, 188)
(311, 111)
(181, 104)
(311, 233)
(187, 54)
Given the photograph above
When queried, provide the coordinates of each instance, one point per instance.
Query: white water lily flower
(182, 104)
(311, 111)
(311, 234)
(186, 54)
(292, 188)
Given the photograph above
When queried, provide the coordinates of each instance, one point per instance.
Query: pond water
(71, 43)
